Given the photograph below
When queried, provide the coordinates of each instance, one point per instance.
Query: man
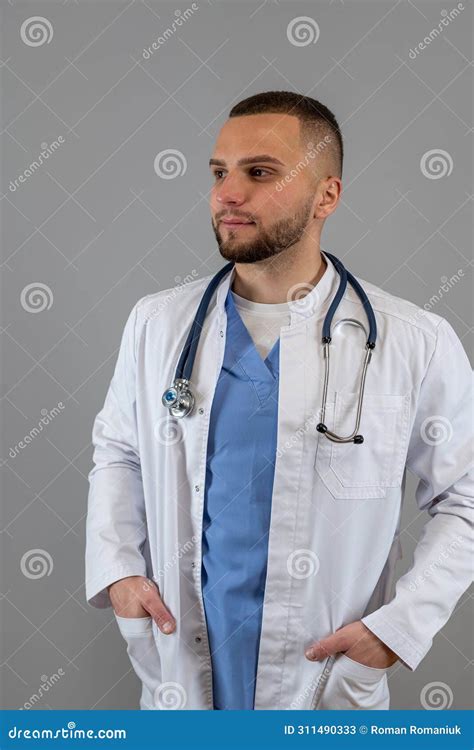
(249, 560)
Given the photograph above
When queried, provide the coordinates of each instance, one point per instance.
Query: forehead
(276, 134)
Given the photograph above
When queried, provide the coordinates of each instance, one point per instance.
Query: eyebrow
(248, 160)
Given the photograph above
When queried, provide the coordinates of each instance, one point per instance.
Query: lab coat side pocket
(355, 686)
(143, 654)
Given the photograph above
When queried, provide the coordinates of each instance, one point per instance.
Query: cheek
(266, 201)
(213, 204)
(271, 211)
(283, 194)
(290, 200)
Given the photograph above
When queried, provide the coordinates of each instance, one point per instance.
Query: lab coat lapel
(283, 526)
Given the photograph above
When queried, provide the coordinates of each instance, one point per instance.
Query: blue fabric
(241, 454)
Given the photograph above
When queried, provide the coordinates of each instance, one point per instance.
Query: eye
(260, 169)
(219, 174)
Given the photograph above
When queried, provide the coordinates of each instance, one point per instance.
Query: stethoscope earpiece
(358, 439)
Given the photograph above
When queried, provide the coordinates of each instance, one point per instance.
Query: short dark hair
(316, 119)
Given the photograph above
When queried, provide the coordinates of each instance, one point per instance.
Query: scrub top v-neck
(241, 454)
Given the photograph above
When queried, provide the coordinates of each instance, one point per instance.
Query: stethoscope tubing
(188, 355)
(345, 277)
(179, 398)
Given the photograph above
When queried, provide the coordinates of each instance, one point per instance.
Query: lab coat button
(198, 639)
(196, 487)
(201, 411)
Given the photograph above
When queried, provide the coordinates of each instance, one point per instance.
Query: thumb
(160, 613)
(326, 646)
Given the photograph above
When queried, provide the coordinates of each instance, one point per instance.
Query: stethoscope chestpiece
(178, 398)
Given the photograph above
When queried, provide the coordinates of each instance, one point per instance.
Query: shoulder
(162, 307)
(418, 333)
(401, 313)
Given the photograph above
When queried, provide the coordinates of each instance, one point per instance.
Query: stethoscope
(179, 399)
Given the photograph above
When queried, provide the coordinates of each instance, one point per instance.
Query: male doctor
(248, 559)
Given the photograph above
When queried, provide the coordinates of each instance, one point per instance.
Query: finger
(160, 613)
(325, 647)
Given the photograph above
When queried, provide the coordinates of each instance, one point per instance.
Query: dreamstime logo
(446, 285)
(435, 430)
(436, 696)
(47, 417)
(169, 431)
(70, 731)
(309, 422)
(444, 554)
(179, 20)
(36, 31)
(183, 549)
(170, 696)
(436, 164)
(302, 563)
(310, 688)
(47, 149)
(174, 292)
(170, 163)
(447, 17)
(46, 684)
(302, 31)
(36, 563)
(36, 297)
(311, 153)
(302, 297)
(301, 697)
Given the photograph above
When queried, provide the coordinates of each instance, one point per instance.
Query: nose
(230, 192)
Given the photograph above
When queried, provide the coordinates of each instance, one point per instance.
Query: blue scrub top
(241, 455)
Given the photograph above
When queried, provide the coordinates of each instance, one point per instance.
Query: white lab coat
(335, 521)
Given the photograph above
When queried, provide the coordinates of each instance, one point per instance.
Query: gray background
(100, 229)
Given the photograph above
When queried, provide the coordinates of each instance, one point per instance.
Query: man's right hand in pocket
(137, 596)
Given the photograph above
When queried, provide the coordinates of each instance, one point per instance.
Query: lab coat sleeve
(116, 520)
(440, 454)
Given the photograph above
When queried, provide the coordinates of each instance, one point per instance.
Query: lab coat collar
(304, 304)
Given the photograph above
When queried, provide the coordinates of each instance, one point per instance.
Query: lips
(235, 222)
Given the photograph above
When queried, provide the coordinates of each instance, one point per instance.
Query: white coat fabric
(335, 521)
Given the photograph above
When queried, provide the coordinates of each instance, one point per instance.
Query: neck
(270, 281)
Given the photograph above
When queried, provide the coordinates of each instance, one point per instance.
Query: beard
(264, 244)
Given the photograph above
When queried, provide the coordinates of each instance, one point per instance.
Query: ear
(329, 191)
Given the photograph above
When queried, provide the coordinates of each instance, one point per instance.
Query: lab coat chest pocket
(143, 654)
(365, 470)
